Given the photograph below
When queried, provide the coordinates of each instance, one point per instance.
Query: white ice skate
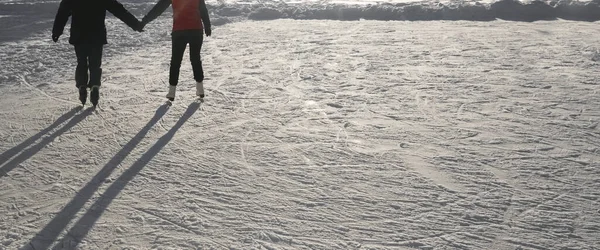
(200, 89)
(171, 94)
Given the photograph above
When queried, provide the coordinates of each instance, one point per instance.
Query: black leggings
(89, 57)
(179, 41)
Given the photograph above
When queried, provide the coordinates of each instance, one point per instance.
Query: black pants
(180, 39)
(89, 58)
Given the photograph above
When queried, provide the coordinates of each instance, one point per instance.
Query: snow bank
(585, 12)
(505, 9)
(426, 10)
(21, 19)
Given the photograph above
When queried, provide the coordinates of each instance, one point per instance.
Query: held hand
(140, 27)
(143, 24)
(55, 38)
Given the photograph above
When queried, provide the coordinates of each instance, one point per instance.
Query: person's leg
(95, 64)
(178, 45)
(195, 58)
(81, 71)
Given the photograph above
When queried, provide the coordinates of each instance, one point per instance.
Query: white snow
(314, 134)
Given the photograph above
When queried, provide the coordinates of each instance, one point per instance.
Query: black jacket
(87, 24)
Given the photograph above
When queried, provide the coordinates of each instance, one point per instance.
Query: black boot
(95, 95)
(83, 94)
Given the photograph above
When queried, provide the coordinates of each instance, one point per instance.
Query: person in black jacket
(190, 19)
(88, 35)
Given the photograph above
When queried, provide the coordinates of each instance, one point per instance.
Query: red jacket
(187, 14)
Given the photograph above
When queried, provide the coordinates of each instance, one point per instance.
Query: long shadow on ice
(82, 227)
(49, 234)
(24, 150)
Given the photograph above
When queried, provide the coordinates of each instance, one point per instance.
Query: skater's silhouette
(83, 226)
(25, 153)
(190, 18)
(88, 35)
(46, 237)
(8, 154)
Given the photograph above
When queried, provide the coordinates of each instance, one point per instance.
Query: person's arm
(205, 18)
(120, 12)
(156, 11)
(62, 16)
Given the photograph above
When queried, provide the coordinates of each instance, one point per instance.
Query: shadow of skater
(82, 227)
(4, 157)
(28, 153)
(45, 238)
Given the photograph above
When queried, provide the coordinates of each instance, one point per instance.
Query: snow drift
(410, 11)
(505, 9)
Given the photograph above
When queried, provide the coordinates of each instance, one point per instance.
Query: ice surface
(315, 134)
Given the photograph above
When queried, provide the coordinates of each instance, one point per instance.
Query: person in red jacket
(190, 18)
